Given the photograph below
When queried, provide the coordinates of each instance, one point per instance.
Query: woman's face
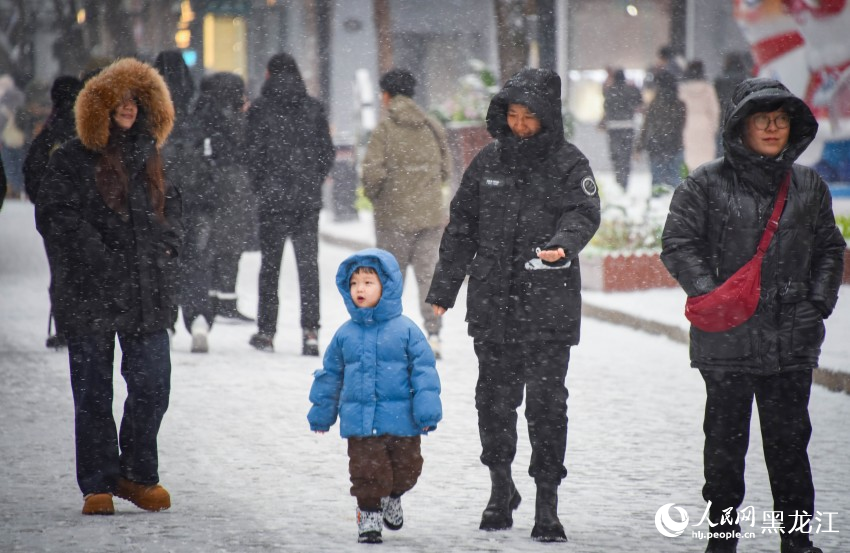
(766, 133)
(522, 122)
(126, 112)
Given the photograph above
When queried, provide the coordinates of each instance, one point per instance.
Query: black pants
(195, 270)
(504, 370)
(146, 368)
(783, 404)
(303, 230)
(620, 143)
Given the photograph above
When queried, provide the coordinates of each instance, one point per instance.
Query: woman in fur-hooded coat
(107, 210)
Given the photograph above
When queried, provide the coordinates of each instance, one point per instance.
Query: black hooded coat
(288, 145)
(518, 195)
(111, 271)
(716, 220)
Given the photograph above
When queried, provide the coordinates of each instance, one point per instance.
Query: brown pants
(382, 465)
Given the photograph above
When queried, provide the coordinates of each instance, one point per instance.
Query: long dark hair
(112, 179)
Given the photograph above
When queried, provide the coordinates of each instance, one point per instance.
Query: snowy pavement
(246, 475)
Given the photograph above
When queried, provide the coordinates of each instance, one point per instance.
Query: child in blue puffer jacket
(380, 376)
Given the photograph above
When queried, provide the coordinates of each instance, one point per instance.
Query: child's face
(365, 289)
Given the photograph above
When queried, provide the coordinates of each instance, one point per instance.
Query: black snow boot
(547, 527)
(797, 542)
(504, 499)
(227, 310)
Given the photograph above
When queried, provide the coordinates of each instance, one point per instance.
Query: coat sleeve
(254, 156)
(374, 163)
(460, 238)
(425, 381)
(580, 216)
(326, 388)
(827, 257)
(326, 153)
(172, 234)
(685, 250)
(59, 217)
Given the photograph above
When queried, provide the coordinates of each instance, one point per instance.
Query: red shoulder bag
(734, 302)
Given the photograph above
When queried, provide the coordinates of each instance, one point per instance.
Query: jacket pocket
(481, 297)
(731, 345)
(808, 331)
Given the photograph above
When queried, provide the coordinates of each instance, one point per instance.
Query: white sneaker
(369, 526)
(434, 342)
(200, 330)
(393, 514)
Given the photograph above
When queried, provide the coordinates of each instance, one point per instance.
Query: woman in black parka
(526, 207)
(114, 222)
(716, 220)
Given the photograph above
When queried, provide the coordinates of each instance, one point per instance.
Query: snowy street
(246, 474)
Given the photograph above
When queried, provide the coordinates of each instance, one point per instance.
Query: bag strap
(773, 222)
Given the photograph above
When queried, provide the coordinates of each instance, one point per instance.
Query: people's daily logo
(665, 523)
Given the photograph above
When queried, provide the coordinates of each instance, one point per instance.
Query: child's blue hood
(390, 275)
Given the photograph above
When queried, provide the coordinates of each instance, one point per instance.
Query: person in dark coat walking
(715, 223)
(622, 101)
(215, 207)
(178, 156)
(107, 211)
(526, 207)
(221, 124)
(290, 152)
(58, 129)
(662, 133)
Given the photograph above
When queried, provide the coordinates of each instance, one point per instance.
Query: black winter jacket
(59, 129)
(716, 220)
(112, 272)
(288, 147)
(516, 196)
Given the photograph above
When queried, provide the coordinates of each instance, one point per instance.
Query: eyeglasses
(762, 121)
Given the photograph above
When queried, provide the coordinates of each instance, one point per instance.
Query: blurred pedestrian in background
(58, 129)
(622, 101)
(12, 138)
(702, 113)
(405, 170)
(215, 204)
(661, 136)
(177, 152)
(289, 154)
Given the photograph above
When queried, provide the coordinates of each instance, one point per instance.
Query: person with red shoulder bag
(751, 238)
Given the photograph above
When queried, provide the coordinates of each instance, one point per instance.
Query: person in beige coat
(406, 165)
(702, 113)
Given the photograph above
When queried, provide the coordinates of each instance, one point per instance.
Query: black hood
(760, 94)
(284, 89)
(537, 89)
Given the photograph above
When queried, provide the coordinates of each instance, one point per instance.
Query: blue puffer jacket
(379, 372)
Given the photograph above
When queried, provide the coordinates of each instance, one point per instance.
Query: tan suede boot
(98, 504)
(149, 498)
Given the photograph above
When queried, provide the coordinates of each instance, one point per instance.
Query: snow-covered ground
(246, 474)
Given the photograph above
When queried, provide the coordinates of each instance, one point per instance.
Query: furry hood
(103, 93)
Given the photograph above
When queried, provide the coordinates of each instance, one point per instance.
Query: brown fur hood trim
(104, 92)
